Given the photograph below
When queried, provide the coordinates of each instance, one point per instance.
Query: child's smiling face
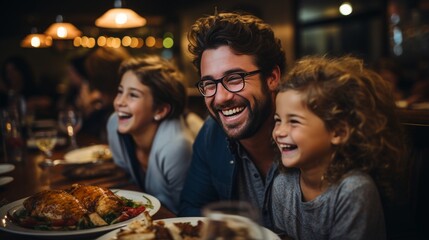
(301, 136)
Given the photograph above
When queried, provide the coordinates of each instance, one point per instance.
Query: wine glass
(70, 121)
(45, 140)
(231, 220)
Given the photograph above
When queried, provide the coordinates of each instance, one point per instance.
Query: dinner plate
(6, 167)
(88, 154)
(5, 180)
(7, 225)
(270, 235)
(61, 141)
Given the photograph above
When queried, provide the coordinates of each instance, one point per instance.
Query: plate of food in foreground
(80, 210)
(166, 229)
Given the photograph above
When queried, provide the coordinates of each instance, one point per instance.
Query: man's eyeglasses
(233, 82)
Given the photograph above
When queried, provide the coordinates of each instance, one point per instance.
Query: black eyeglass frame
(243, 75)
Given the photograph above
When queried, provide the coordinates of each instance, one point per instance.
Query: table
(30, 178)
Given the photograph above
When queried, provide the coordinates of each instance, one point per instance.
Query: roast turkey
(78, 205)
(97, 199)
(57, 207)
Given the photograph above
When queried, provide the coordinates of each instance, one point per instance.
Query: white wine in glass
(46, 140)
(70, 121)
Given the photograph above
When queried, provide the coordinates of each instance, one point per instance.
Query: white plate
(8, 226)
(61, 141)
(6, 167)
(193, 220)
(87, 154)
(5, 180)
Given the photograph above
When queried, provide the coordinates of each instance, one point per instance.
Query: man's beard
(256, 118)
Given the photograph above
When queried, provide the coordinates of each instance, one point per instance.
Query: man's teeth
(232, 111)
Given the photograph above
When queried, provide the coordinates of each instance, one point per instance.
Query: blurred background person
(18, 80)
(147, 133)
(419, 94)
(76, 80)
(393, 73)
(96, 99)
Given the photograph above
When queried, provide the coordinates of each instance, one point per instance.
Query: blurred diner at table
(96, 98)
(75, 83)
(20, 91)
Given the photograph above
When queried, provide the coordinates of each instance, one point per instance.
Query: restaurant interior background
(397, 29)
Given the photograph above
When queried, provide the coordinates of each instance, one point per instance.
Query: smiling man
(240, 63)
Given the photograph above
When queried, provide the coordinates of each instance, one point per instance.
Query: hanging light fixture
(36, 40)
(119, 17)
(345, 8)
(62, 30)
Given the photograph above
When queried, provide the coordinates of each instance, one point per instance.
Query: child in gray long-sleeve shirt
(339, 140)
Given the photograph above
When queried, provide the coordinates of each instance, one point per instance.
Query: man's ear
(273, 79)
(340, 134)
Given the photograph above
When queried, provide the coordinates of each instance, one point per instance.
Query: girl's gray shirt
(351, 209)
(168, 162)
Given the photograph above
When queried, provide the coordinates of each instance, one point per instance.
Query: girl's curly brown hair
(343, 93)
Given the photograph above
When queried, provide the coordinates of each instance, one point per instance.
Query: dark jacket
(211, 176)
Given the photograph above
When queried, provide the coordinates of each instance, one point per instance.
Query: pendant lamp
(119, 17)
(62, 30)
(36, 40)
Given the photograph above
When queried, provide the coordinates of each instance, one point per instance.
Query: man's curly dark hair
(244, 33)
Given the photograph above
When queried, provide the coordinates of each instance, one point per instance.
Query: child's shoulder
(356, 181)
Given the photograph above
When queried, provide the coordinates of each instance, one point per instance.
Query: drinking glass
(231, 220)
(11, 137)
(70, 121)
(45, 140)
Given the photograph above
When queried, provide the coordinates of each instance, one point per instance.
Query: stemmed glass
(70, 121)
(45, 140)
(232, 220)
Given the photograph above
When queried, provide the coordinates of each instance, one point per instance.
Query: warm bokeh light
(134, 42)
(109, 42)
(101, 41)
(158, 43)
(77, 41)
(91, 42)
(150, 41)
(116, 42)
(140, 42)
(126, 41)
(84, 41)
